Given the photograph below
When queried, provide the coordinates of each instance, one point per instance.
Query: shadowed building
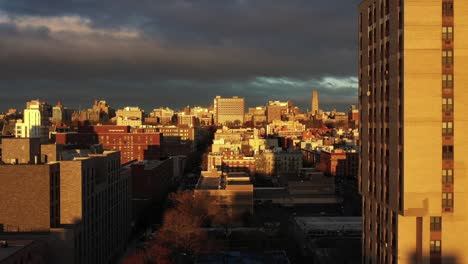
(413, 145)
(80, 206)
(232, 190)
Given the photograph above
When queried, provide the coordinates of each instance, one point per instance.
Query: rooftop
(13, 247)
(348, 223)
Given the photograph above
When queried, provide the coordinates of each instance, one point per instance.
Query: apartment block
(413, 142)
(229, 111)
(81, 206)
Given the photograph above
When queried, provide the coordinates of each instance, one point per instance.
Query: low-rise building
(277, 161)
(129, 116)
(233, 191)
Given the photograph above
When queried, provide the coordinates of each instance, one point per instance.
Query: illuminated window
(447, 57)
(435, 246)
(447, 128)
(447, 104)
(447, 176)
(447, 200)
(447, 33)
(447, 80)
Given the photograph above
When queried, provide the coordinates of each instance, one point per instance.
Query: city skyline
(169, 48)
(88, 102)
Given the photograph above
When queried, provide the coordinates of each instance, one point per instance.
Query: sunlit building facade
(413, 172)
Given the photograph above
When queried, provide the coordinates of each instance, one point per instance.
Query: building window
(436, 223)
(447, 57)
(447, 80)
(447, 200)
(447, 9)
(447, 128)
(447, 176)
(447, 104)
(435, 247)
(447, 152)
(447, 33)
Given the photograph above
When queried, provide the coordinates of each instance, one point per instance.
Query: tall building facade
(229, 110)
(315, 102)
(413, 145)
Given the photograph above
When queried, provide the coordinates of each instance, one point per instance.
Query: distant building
(315, 103)
(258, 115)
(233, 191)
(292, 129)
(99, 113)
(229, 111)
(276, 110)
(129, 116)
(277, 162)
(187, 120)
(353, 117)
(162, 115)
(231, 161)
(339, 162)
(35, 121)
(183, 131)
(133, 143)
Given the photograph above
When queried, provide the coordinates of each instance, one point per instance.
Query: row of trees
(182, 235)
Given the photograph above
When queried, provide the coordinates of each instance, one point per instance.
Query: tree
(182, 234)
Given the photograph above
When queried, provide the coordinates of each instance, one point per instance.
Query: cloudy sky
(177, 52)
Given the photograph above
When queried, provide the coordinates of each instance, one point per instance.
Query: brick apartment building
(81, 206)
(133, 143)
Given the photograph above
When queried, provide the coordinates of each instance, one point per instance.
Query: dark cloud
(217, 46)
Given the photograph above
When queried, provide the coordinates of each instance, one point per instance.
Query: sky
(154, 53)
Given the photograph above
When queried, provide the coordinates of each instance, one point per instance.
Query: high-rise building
(315, 102)
(57, 113)
(413, 142)
(229, 110)
(35, 123)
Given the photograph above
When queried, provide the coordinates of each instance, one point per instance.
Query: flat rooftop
(216, 180)
(329, 223)
(13, 247)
